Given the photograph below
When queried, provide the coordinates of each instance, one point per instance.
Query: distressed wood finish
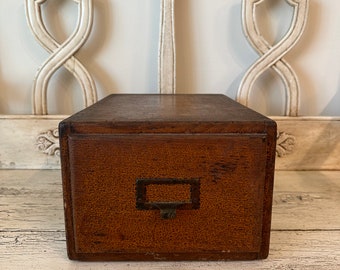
(272, 56)
(305, 201)
(305, 231)
(167, 49)
(312, 143)
(27, 142)
(224, 148)
(61, 54)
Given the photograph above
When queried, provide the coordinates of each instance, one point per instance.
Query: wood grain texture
(316, 143)
(31, 200)
(306, 201)
(37, 241)
(19, 143)
(104, 151)
(302, 200)
(290, 250)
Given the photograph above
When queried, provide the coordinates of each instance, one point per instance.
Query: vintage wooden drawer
(167, 177)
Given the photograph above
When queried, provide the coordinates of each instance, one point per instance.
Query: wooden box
(167, 177)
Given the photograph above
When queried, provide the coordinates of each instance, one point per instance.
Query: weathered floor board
(289, 250)
(306, 201)
(305, 231)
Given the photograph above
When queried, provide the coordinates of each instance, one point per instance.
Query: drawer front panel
(105, 178)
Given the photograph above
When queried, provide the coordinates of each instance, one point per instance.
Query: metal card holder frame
(167, 209)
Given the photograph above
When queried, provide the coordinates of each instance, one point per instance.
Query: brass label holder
(167, 209)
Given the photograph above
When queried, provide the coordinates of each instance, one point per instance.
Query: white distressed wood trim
(29, 142)
(304, 143)
(167, 49)
(272, 56)
(61, 54)
(308, 143)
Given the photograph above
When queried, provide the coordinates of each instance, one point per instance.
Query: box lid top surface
(155, 109)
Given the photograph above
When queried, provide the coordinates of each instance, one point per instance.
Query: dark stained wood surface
(233, 158)
(206, 113)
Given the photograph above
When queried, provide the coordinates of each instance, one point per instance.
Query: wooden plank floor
(305, 229)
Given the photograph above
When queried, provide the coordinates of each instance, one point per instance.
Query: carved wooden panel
(272, 56)
(29, 142)
(304, 143)
(48, 142)
(61, 54)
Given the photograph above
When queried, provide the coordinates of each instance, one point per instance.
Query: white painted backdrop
(212, 52)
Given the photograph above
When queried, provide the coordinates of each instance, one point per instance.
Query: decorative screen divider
(304, 143)
(61, 54)
(272, 56)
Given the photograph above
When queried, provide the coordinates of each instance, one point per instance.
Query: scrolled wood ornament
(285, 144)
(48, 142)
(272, 56)
(61, 54)
(167, 49)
